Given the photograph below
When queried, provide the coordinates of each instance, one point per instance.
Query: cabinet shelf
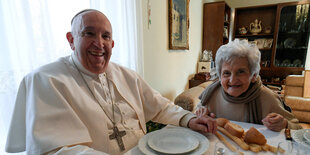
(290, 33)
(272, 83)
(280, 68)
(265, 49)
(296, 48)
(264, 68)
(254, 35)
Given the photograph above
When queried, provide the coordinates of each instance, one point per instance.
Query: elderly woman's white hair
(238, 49)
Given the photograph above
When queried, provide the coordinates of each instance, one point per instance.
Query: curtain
(33, 33)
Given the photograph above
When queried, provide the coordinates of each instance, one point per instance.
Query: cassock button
(123, 113)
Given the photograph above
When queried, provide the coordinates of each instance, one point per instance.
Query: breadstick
(224, 141)
(265, 147)
(274, 149)
(255, 148)
(237, 140)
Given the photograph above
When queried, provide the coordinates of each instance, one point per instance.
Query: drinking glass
(288, 148)
(303, 150)
(221, 149)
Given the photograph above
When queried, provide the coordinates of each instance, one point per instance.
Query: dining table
(273, 139)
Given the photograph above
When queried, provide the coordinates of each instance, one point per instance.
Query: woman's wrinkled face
(236, 76)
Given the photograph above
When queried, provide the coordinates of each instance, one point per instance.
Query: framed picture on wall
(178, 24)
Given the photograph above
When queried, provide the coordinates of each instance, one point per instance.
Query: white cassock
(55, 108)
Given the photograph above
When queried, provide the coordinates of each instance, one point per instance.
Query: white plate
(289, 43)
(173, 142)
(307, 135)
(298, 136)
(202, 147)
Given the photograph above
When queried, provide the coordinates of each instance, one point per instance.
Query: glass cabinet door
(293, 36)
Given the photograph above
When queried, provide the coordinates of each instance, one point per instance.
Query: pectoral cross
(118, 136)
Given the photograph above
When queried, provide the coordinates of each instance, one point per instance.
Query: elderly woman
(239, 94)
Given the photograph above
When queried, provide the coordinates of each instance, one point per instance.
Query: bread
(234, 129)
(255, 137)
(221, 122)
(238, 141)
(224, 141)
(255, 148)
(265, 147)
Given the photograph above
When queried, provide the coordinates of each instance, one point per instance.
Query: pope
(85, 104)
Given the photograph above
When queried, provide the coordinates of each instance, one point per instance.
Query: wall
(168, 71)
(307, 65)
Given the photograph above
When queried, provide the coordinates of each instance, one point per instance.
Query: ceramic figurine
(256, 27)
(268, 29)
(206, 56)
(243, 30)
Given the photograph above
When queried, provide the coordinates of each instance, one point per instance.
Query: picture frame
(225, 33)
(204, 67)
(260, 43)
(253, 43)
(178, 24)
(268, 43)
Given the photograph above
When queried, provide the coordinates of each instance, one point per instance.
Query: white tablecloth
(273, 138)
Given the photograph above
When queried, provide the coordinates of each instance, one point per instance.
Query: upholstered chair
(294, 97)
(188, 99)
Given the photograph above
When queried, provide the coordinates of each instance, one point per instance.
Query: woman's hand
(203, 123)
(203, 111)
(275, 122)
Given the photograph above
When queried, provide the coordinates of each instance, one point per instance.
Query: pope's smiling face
(236, 76)
(93, 42)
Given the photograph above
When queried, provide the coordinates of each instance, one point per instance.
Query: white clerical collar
(82, 68)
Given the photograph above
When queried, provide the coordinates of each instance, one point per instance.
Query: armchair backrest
(294, 85)
(307, 84)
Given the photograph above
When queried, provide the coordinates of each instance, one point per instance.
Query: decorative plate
(289, 43)
(286, 61)
(297, 62)
(260, 43)
(173, 142)
(202, 147)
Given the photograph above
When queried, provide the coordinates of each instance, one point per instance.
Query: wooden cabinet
(284, 48)
(293, 35)
(266, 17)
(216, 18)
